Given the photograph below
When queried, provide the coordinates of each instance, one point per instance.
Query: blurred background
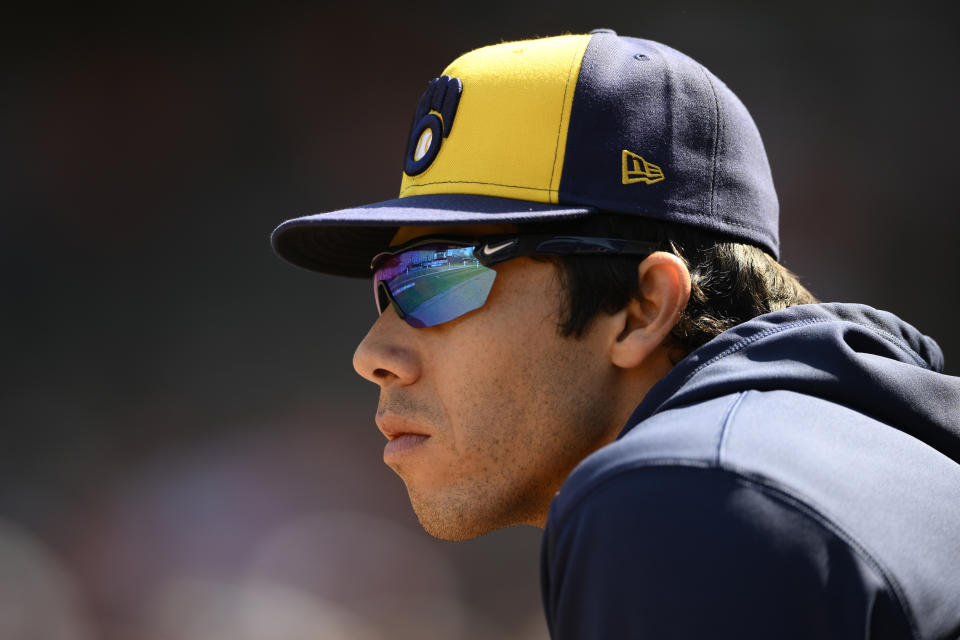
(185, 452)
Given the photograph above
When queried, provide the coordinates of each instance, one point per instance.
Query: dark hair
(731, 282)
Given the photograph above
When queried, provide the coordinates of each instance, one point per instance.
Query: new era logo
(636, 169)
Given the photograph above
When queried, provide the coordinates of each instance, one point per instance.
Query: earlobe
(646, 321)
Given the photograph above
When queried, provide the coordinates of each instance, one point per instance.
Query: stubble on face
(513, 407)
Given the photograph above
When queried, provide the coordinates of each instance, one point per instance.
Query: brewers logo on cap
(431, 123)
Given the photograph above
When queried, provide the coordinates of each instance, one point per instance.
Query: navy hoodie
(796, 477)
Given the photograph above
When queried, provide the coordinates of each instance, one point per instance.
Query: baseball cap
(562, 127)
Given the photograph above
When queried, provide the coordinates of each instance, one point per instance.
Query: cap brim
(343, 242)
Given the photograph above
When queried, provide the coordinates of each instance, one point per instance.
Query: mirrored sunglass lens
(434, 284)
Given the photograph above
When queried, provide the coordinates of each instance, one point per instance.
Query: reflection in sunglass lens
(433, 284)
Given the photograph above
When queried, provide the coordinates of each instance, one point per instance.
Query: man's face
(488, 413)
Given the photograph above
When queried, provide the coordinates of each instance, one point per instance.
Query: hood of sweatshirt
(853, 355)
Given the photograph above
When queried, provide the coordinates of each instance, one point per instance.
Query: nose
(386, 355)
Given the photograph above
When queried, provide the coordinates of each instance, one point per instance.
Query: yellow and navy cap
(562, 127)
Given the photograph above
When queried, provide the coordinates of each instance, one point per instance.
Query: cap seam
(737, 223)
(716, 141)
(492, 184)
(689, 212)
(563, 102)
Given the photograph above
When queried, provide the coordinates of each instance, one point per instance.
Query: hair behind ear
(730, 282)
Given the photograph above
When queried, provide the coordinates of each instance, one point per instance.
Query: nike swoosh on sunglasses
(434, 279)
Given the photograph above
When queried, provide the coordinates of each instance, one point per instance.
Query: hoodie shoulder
(876, 496)
(836, 409)
(686, 551)
(836, 414)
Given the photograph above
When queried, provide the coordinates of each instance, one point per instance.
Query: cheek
(492, 390)
(488, 406)
(521, 385)
(516, 394)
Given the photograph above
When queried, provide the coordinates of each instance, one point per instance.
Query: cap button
(610, 31)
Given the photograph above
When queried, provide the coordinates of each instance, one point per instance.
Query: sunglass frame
(492, 250)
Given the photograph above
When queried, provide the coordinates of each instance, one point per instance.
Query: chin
(466, 519)
(452, 529)
(452, 517)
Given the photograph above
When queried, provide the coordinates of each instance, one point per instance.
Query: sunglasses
(433, 280)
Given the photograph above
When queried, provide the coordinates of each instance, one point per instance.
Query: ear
(646, 321)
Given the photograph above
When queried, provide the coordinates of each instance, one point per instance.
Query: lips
(403, 444)
(404, 435)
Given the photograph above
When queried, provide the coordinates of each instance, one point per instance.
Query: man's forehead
(405, 234)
